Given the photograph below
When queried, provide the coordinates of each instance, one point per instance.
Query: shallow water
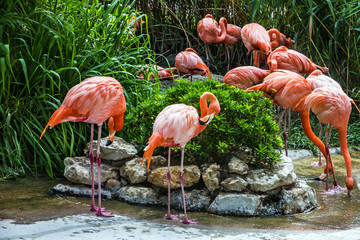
(28, 200)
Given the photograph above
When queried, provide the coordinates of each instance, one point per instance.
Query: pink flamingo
(176, 125)
(188, 61)
(233, 35)
(209, 31)
(93, 101)
(246, 76)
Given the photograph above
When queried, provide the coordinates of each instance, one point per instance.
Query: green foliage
(245, 120)
(47, 47)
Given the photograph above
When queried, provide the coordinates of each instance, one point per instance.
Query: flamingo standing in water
(210, 31)
(176, 125)
(93, 101)
(318, 79)
(332, 106)
(188, 61)
(255, 37)
(245, 77)
(288, 59)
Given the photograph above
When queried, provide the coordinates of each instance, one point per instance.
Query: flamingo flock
(282, 80)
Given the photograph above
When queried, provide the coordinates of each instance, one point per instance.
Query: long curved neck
(344, 149)
(305, 122)
(223, 24)
(274, 44)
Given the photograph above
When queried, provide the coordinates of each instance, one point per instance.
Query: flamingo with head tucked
(93, 101)
(188, 61)
(245, 77)
(175, 126)
(210, 31)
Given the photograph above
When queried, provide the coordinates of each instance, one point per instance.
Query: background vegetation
(48, 46)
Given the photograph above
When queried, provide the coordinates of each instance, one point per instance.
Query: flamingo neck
(223, 25)
(305, 122)
(344, 149)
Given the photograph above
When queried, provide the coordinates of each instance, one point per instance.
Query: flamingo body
(255, 37)
(188, 61)
(210, 31)
(175, 126)
(93, 101)
(284, 58)
(245, 77)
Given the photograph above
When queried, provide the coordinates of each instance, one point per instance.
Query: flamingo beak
(207, 119)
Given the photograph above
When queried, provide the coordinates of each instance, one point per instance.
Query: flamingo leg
(98, 162)
(168, 215)
(336, 186)
(91, 157)
(186, 220)
(207, 55)
(284, 134)
(228, 58)
(289, 121)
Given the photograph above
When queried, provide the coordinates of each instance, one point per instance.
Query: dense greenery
(245, 120)
(46, 47)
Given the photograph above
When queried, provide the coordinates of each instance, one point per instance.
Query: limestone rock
(234, 184)
(142, 195)
(238, 166)
(211, 177)
(191, 176)
(113, 185)
(118, 150)
(262, 180)
(195, 200)
(157, 161)
(236, 204)
(298, 199)
(132, 170)
(77, 170)
(80, 191)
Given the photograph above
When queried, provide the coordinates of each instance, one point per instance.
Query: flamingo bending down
(284, 58)
(246, 76)
(255, 37)
(93, 101)
(188, 61)
(332, 106)
(209, 31)
(175, 126)
(318, 79)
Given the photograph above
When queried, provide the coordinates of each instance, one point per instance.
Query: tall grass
(46, 47)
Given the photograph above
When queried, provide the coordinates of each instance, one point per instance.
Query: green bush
(245, 120)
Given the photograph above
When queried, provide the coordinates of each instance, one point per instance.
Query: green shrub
(245, 120)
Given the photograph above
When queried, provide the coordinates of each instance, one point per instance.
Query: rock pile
(232, 189)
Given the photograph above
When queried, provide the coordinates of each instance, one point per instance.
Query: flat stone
(262, 180)
(299, 153)
(238, 166)
(79, 191)
(195, 200)
(133, 171)
(298, 199)
(236, 204)
(236, 184)
(211, 177)
(118, 150)
(191, 176)
(77, 170)
(141, 195)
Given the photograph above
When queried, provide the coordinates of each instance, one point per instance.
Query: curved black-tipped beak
(109, 142)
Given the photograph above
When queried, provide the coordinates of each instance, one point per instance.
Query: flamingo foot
(337, 188)
(316, 163)
(95, 208)
(171, 217)
(188, 221)
(102, 214)
(330, 191)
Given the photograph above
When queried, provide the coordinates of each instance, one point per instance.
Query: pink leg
(91, 157)
(186, 220)
(98, 162)
(168, 215)
(284, 134)
(228, 58)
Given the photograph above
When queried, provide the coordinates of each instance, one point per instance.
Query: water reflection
(28, 200)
